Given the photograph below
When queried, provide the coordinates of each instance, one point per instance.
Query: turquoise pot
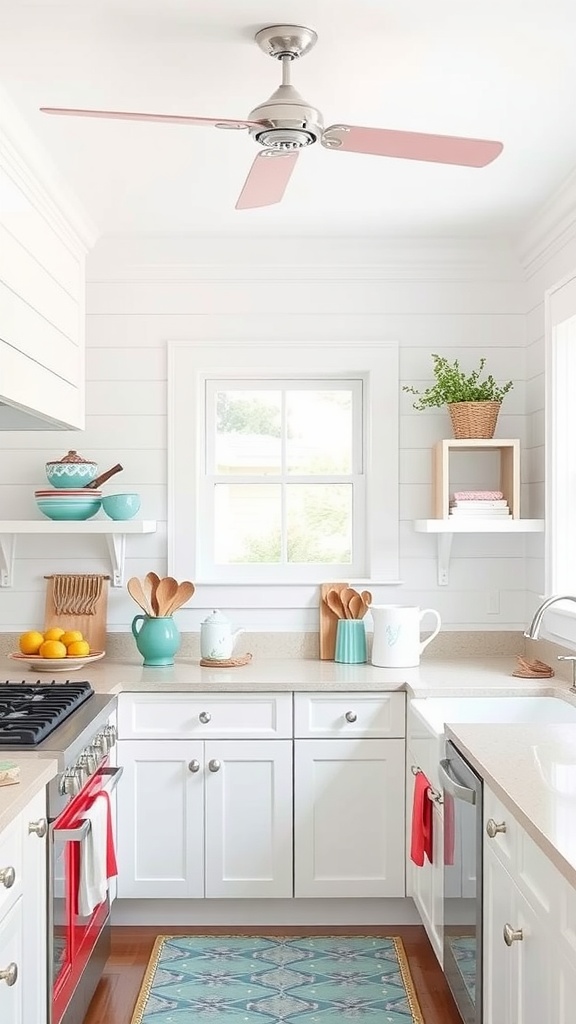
(157, 638)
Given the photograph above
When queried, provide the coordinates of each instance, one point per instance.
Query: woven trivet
(532, 669)
(242, 659)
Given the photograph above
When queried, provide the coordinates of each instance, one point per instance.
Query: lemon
(52, 649)
(55, 633)
(78, 649)
(70, 637)
(31, 642)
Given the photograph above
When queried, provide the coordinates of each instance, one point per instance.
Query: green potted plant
(473, 403)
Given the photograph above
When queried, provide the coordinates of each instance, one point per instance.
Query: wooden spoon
(136, 591)
(356, 606)
(150, 587)
(367, 600)
(185, 591)
(165, 594)
(346, 595)
(334, 603)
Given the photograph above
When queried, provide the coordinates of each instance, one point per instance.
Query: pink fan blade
(442, 149)
(122, 115)
(267, 179)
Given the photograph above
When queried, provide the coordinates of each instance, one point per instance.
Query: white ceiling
(497, 69)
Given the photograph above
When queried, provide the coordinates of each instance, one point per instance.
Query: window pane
(247, 525)
(319, 427)
(248, 429)
(319, 523)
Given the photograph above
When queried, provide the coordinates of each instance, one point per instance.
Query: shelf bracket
(117, 550)
(7, 554)
(444, 547)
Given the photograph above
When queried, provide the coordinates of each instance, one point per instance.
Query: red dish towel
(88, 858)
(421, 822)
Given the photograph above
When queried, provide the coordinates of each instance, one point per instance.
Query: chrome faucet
(534, 629)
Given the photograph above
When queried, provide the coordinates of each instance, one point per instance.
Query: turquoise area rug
(241, 979)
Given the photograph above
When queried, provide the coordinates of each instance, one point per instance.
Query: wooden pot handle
(104, 477)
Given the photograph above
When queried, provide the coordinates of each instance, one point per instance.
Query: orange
(55, 633)
(52, 649)
(31, 642)
(78, 649)
(70, 637)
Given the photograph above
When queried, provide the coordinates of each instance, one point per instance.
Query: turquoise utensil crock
(157, 638)
(350, 642)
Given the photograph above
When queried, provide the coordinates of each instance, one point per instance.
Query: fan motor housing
(288, 122)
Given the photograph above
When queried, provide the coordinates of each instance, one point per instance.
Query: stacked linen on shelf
(479, 505)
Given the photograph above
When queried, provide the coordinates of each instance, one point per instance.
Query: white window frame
(297, 572)
(559, 623)
(190, 363)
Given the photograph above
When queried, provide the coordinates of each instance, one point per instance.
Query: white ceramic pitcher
(216, 637)
(397, 642)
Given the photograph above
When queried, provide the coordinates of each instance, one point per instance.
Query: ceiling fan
(286, 123)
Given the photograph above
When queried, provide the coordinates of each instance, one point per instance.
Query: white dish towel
(93, 883)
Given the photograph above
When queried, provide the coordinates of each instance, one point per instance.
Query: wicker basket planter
(474, 419)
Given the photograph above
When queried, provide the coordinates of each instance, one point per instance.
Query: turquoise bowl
(70, 474)
(121, 506)
(69, 510)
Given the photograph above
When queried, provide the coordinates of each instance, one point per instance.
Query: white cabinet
(426, 883)
(349, 795)
(23, 874)
(205, 817)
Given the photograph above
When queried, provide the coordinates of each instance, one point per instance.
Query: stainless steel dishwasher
(463, 849)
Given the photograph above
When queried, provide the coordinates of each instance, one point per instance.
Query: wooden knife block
(92, 626)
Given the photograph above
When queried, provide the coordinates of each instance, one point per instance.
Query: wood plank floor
(116, 994)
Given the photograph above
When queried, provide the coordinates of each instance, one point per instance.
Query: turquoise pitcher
(157, 638)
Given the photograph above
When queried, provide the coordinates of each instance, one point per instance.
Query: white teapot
(216, 637)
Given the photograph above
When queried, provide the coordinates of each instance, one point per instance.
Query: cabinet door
(349, 817)
(248, 792)
(160, 819)
(564, 990)
(517, 986)
(34, 956)
(11, 945)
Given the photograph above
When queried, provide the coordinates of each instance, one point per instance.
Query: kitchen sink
(486, 710)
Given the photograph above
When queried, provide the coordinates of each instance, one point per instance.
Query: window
(282, 477)
(560, 621)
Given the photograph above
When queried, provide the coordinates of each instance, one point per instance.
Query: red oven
(76, 942)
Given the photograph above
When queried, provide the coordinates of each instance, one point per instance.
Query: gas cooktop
(31, 711)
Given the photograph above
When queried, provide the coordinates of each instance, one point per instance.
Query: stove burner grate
(29, 712)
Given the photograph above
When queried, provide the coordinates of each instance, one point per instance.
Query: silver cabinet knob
(351, 716)
(7, 877)
(493, 828)
(205, 717)
(40, 827)
(194, 766)
(512, 934)
(214, 765)
(10, 974)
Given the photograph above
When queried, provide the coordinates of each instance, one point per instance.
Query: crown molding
(552, 228)
(33, 171)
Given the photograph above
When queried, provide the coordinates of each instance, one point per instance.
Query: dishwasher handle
(455, 789)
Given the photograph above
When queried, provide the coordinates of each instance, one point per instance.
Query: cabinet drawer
(11, 856)
(222, 716)
(504, 844)
(343, 715)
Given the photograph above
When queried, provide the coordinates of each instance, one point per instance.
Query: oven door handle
(455, 788)
(113, 775)
(76, 835)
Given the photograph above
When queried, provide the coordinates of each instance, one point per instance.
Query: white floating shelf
(115, 532)
(446, 528)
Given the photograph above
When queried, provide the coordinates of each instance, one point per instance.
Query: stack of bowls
(69, 499)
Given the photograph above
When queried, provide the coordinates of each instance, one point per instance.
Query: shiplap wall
(458, 300)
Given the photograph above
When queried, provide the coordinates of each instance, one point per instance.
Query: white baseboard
(265, 912)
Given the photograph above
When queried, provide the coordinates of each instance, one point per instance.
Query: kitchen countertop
(35, 774)
(445, 677)
(532, 770)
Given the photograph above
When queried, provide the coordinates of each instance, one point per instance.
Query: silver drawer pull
(205, 717)
(194, 766)
(214, 765)
(493, 828)
(39, 827)
(10, 975)
(351, 716)
(512, 934)
(7, 877)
